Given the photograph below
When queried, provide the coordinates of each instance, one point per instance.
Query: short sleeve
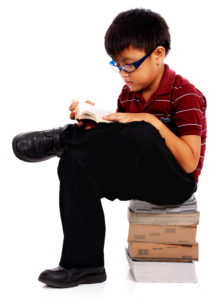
(189, 111)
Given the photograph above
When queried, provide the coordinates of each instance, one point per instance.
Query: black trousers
(116, 161)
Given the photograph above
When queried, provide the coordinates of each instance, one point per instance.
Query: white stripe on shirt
(187, 95)
(122, 101)
(189, 125)
(174, 87)
(162, 100)
(189, 109)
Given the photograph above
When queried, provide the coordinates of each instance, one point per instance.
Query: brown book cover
(163, 251)
(167, 234)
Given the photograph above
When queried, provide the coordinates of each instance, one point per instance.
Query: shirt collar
(166, 82)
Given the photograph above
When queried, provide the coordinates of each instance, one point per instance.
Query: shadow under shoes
(38, 146)
(60, 277)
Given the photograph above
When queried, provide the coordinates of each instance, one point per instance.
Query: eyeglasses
(129, 68)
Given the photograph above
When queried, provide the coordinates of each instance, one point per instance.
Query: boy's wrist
(153, 121)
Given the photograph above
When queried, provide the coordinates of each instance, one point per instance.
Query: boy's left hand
(131, 117)
(124, 117)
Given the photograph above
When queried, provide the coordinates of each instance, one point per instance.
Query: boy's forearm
(180, 149)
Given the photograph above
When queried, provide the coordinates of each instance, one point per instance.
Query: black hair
(142, 28)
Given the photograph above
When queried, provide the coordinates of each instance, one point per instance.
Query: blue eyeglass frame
(136, 64)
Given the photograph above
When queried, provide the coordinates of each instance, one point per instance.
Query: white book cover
(138, 206)
(153, 271)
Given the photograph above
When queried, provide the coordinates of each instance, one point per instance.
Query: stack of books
(162, 244)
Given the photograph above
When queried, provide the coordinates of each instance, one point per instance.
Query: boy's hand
(86, 124)
(131, 117)
(124, 117)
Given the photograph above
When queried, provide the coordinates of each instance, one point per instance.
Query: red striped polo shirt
(177, 103)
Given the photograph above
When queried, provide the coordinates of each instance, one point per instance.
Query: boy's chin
(131, 87)
(134, 89)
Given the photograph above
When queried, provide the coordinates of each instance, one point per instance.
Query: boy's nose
(124, 74)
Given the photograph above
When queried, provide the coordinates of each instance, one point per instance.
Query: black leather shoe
(38, 146)
(63, 278)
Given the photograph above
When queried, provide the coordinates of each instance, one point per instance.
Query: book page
(88, 111)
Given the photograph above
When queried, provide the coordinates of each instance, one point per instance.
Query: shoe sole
(85, 280)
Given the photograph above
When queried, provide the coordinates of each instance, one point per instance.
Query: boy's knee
(140, 133)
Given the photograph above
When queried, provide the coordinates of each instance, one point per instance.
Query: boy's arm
(185, 149)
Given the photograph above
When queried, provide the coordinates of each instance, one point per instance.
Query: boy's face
(147, 76)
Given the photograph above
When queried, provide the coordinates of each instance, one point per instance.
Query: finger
(106, 116)
(73, 105)
(80, 123)
(72, 115)
(90, 102)
(110, 117)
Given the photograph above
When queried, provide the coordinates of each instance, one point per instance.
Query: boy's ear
(159, 54)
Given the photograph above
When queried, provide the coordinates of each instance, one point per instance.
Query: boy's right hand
(81, 123)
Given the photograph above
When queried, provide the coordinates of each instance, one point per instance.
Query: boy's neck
(147, 93)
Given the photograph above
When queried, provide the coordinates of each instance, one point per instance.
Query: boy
(153, 151)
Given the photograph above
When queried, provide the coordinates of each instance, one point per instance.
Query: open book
(86, 111)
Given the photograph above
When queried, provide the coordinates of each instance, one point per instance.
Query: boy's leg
(132, 153)
(81, 214)
(124, 161)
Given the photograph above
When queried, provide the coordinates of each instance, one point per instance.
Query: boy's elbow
(192, 155)
(189, 170)
(191, 167)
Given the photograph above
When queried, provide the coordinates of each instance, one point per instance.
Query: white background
(50, 52)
